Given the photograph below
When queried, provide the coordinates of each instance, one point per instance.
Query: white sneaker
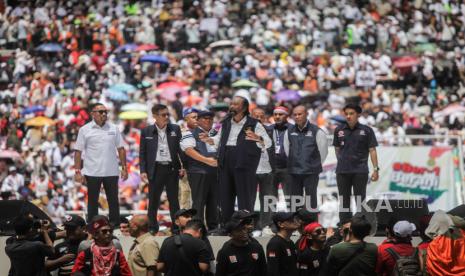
(266, 232)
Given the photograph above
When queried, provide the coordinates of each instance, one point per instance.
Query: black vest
(248, 154)
(195, 166)
(304, 156)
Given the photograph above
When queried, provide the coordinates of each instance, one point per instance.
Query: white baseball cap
(404, 228)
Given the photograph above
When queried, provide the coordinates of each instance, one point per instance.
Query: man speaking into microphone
(240, 143)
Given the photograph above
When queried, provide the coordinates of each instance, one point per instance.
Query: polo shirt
(99, 147)
(143, 254)
(354, 147)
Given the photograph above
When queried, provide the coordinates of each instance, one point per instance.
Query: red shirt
(80, 263)
(385, 264)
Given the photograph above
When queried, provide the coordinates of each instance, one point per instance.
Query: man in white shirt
(12, 182)
(100, 141)
(160, 164)
(240, 142)
(264, 174)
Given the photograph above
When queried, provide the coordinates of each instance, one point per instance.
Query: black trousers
(234, 181)
(282, 176)
(204, 192)
(345, 183)
(165, 177)
(266, 187)
(307, 182)
(110, 185)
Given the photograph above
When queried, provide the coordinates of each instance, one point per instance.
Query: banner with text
(406, 173)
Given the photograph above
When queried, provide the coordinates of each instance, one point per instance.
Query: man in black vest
(281, 175)
(240, 142)
(160, 163)
(201, 170)
(306, 146)
(265, 176)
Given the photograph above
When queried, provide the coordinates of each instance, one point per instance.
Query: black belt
(163, 163)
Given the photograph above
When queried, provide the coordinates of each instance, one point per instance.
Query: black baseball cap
(244, 214)
(283, 216)
(205, 113)
(355, 107)
(185, 213)
(74, 221)
(233, 224)
(306, 216)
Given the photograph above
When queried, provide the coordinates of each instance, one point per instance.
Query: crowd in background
(403, 61)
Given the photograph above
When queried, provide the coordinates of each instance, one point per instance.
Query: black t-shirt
(28, 257)
(312, 262)
(282, 257)
(195, 251)
(354, 145)
(61, 249)
(235, 260)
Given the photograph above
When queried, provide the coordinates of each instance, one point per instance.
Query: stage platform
(216, 242)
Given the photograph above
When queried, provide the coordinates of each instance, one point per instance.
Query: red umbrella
(146, 47)
(170, 93)
(407, 61)
(173, 84)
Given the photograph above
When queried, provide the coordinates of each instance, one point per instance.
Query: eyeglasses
(101, 112)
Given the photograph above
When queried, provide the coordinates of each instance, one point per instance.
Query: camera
(38, 223)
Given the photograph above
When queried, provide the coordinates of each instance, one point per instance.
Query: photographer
(66, 252)
(22, 250)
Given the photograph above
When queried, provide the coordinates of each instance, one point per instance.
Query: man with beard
(311, 251)
(280, 115)
(240, 143)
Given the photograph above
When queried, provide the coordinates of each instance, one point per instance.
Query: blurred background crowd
(403, 61)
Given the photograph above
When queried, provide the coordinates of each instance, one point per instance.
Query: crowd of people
(300, 246)
(402, 61)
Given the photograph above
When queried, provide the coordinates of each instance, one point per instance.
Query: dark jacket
(149, 146)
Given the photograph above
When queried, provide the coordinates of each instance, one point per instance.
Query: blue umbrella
(50, 47)
(154, 59)
(33, 109)
(122, 87)
(287, 95)
(126, 47)
(339, 119)
(118, 96)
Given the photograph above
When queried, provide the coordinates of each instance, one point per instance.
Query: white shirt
(163, 150)
(187, 140)
(99, 145)
(264, 163)
(321, 141)
(236, 129)
(12, 183)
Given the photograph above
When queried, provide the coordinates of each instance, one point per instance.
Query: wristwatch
(376, 168)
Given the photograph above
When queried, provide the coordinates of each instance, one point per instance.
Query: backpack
(89, 263)
(405, 265)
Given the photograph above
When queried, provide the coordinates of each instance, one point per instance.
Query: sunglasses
(101, 112)
(164, 115)
(320, 231)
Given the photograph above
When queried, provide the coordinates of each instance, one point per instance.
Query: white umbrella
(134, 107)
(223, 43)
